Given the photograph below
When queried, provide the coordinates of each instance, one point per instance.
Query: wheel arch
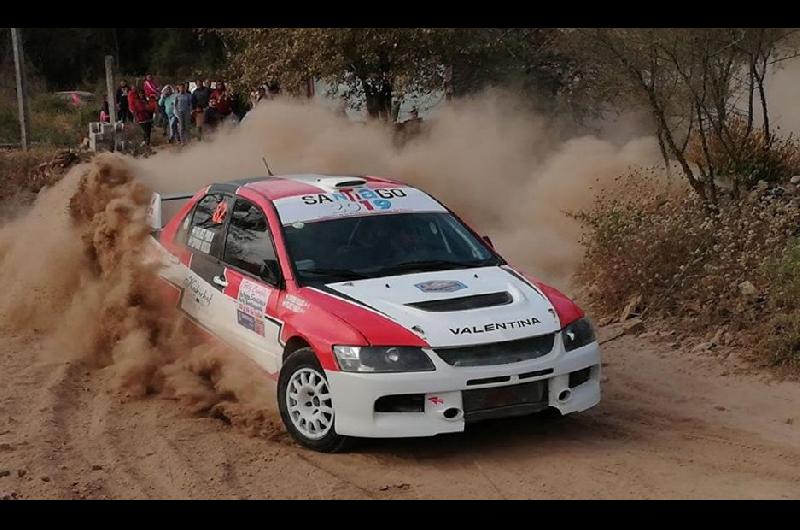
(295, 343)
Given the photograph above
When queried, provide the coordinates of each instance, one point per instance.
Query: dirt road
(671, 425)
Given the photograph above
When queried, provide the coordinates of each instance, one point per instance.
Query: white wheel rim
(308, 401)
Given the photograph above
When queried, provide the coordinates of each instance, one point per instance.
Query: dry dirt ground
(670, 425)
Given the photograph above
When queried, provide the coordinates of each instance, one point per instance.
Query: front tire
(305, 403)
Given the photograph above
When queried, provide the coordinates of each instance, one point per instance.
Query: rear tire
(305, 404)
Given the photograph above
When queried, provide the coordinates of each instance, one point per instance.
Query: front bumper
(354, 394)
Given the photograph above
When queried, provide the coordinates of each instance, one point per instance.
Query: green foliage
(781, 339)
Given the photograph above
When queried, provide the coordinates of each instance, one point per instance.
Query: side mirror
(271, 272)
(488, 241)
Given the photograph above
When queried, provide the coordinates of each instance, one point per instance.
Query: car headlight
(579, 333)
(382, 359)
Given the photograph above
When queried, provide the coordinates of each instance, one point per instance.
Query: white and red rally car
(379, 311)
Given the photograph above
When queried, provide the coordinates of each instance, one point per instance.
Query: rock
(727, 338)
(747, 288)
(762, 185)
(605, 321)
(789, 421)
(674, 345)
(97, 467)
(719, 407)
(45, 479)
(703, 346)
(21, 473)
(5, 473)
(632, 309)
(633, 327)
(795, 180)
(6, 447)
(718, 337)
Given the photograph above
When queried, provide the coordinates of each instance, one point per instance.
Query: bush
(732, 269)
(781, 337)
(750, 158)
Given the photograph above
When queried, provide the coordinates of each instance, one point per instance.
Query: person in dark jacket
(200, 98)
(122, 101)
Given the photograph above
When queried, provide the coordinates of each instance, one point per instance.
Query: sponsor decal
(294, 303)
(251, 305)
(250, 322)
(355, 200)
(202, 294)
(494, 326)
(436, 400)
(440, 286)
(299, 209)
(201, 239)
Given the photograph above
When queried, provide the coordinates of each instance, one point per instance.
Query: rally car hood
(518, 309)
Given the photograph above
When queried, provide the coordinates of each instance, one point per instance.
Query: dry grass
(733, 271)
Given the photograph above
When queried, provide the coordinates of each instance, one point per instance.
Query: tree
(384, 64)
(689, 79)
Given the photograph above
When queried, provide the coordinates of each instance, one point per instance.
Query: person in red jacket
(143, 109)
(223, 99)
(151, 88)
(132, 95)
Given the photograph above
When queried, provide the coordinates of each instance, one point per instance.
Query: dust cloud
(490, 158)
(82, 276)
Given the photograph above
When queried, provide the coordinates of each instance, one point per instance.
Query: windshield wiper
(436, 264)
(339, 273)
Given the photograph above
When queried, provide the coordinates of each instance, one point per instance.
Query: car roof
(278, 187)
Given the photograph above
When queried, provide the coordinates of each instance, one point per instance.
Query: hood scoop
(464, 303)
(333, 184)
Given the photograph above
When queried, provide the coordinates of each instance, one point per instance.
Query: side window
(208, 223)
(248, 245)
(182, 234)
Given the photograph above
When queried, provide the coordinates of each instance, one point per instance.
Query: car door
(253, 285)
(203, 299)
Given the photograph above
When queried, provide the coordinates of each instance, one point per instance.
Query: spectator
(164, 117)
(200, 98)
(261, 95)
(143, 110)
(167, 102)
(274, 88)
(183, 112)
(150, 87)
(105, 115)
(132, 97)
(212, 115)
(122, 101)
(223, 98)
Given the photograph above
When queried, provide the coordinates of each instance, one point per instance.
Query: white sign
(354, 201)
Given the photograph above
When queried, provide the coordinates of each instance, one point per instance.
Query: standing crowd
(175, 109)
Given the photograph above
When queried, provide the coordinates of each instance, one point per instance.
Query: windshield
(372, 246)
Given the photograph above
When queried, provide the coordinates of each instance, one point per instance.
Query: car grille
(504, 401)
(465, 302)
(507, 352)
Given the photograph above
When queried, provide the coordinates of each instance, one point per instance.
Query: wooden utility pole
(22, 95)
(112, 103)
(110, 92)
